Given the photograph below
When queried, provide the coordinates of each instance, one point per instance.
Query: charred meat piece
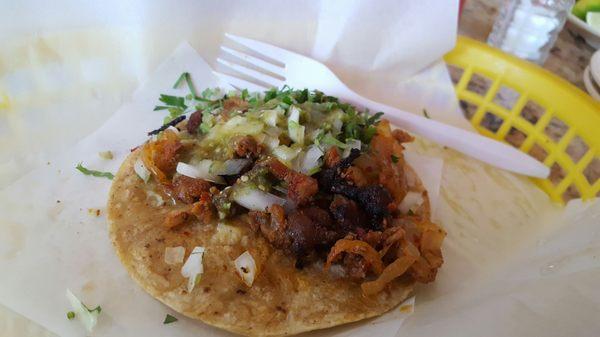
(161, 156)
(373, 199)
(234, 103)
(247, 147)
(347, 213)
(203, 209)
(308, 230)
(332, 157)
(402, 136)
(333, 175)
(301, 188)
(272, 224)
(355, 266)
(356, 176)
(194, 122)
(188, 189)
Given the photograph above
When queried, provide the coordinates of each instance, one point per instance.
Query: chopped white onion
(141, 170)
(174, 129)
(228, 167)
(255, 199)
(411, 202)
(174, 255)
(294, 114)
(199, 171)
(245, 266)
(336, 126)
(271, 142)
(87, 317)
(286, 154)
(296, 132)
(271, 117)
(273, 131)
(309, 160)
(188, 170)
(351, 144)
(193, 268)
(243, 125)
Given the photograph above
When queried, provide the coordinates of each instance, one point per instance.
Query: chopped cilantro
(271, 94)
(410, 212)
(426, 114)
(173, 101)
(303, 96)
(374, 119)
(368, 133)
(394, 159)
(70, 315)
(188, 79)
(94, 173)
(160, 107)
(170, 319)
(245, 94)
(181, 79)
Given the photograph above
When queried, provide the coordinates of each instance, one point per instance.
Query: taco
(274, 214)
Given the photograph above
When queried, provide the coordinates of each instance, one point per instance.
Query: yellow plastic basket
(517, 102)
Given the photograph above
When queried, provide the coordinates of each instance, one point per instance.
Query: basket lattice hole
(515, 137)
(532, 112)
(506, 97)
(556, 129)
(577, 149)
(538, 152)
(479, 84)
(571, 193)
(455, 73)
(468, 109)
(491, 122)
(592, 171)
(557, 174)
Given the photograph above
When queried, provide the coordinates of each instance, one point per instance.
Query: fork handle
(479, 147)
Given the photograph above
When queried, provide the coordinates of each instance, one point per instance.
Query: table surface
(568, 58)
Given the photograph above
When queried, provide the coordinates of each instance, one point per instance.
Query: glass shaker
(529, 28)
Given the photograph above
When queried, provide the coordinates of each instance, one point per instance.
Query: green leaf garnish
(185, 77)
(395, 159)
(170, 319)
(173, 101)
(70, 315)
(160, 107)
(245, 94)
(94, 173)
(426, 114)
(180, 80)
(374, 119)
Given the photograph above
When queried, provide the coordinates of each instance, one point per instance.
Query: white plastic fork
(298, 71)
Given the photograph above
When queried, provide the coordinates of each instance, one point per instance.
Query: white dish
(591, 35)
